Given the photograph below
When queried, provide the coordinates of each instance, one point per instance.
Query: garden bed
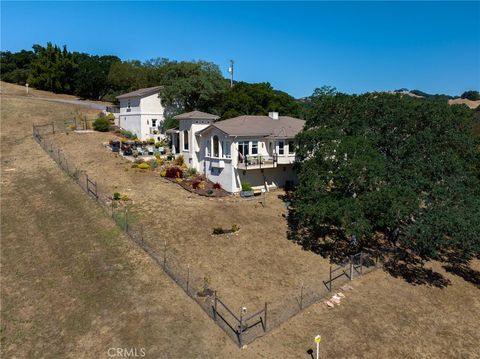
(208, 190)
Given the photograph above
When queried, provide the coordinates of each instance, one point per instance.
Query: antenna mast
(230, 69)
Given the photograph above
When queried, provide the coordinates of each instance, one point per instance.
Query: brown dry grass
(73, 286)
(464, 101)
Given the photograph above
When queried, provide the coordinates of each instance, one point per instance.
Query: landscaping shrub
(235, 227)
(170, 157)
(217, 186)
(116, 196)
(101, 124)
(153, 164)
(196, 184)
(246, 186)
(163, 173)
(125, 198)
(128, 134)
(210, 191)
(191, 172)
(180, 161)
(143, 166)
(151, 141)
(174, 172)
(218, 230)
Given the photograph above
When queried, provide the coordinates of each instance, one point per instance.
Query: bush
(151, 141)
(170, 157)
(128, 134)
(218, 230)
(210, 191)
(116, 196)
(174, 172)
(125, 198)
(139, 161)
(180, 161)
(471, 95)
(235, 227)
(191, 172)
(246, 186)
(196, 184)
(163, 173)
(143, 166)
(217, 186)
(101, 124)
(153, 164)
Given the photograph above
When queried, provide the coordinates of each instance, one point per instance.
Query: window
(280, 148)
(215, 150)
(254, 147)
(154, 122)
(185, 140)
(226, 149)
(291, 147)
(242, 150)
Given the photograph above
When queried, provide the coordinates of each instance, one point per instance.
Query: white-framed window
(226, 149)
(254, 148)
(154, 122)
(291, 147)
(243, 148)
(281, 149)
(185, 140)
(215, 146)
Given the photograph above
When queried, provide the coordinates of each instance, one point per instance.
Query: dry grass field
(73, 286)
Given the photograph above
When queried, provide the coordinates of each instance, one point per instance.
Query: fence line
(241, 328)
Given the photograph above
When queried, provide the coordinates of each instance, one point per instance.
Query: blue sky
(354, 46)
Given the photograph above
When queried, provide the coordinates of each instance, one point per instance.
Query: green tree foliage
(101, 124)
(91, 76)
(191, 86)
(255, 99)
(52, 69)
(471, 95)
(14, 67)
(404, 167)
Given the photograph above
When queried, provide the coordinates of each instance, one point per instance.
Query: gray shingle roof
(142, 92)
(284, 127)
(196, 115)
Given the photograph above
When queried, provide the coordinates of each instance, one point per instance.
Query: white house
(254, 149)
(142, 113)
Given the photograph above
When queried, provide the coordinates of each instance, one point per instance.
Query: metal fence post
(188, 275)
(215, 306)
(351, 267)
(53, 127)
(265, 316)
(301, 297)
(241, 328)
(330, 281)
(165, 254)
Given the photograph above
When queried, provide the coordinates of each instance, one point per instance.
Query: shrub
(217, 186)
(153, 164)
(218, 230)
(210, 191)
(128, 134)
(170, 157)
(143, 166)
(139, 161)
(235, 227)
(174, 172)
(471, 95)
(125, 198)
(163, 173)
(116, 196)
(191, 172)
(101, 124)
(196, 184)
(151, 141)
(246, 186)
(180, 161)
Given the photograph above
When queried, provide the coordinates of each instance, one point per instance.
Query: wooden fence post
(361, 262)
(126, 219)
(53, 127)
(330, 281)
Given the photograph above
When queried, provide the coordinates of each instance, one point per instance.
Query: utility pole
(230, 69)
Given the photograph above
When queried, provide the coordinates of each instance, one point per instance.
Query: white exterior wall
(192, 127)
(138, 118)
(273, 177)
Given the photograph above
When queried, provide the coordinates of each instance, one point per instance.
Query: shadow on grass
(331, 243)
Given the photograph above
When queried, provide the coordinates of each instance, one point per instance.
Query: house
(142, 113)
(254, 149)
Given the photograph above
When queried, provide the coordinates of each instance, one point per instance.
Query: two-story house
(142, 113)
(254, 149)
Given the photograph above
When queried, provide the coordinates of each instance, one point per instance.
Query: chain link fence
(242, 327)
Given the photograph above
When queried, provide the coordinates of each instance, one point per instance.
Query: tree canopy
(377, 163)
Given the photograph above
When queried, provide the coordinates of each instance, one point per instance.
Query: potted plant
(246, 189)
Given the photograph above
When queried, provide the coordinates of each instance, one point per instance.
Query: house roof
(142, 92)
(265, 126)
(196, 115)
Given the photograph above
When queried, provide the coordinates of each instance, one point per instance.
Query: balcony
(254, 162)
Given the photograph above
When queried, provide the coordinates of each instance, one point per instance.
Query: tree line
(188, 85)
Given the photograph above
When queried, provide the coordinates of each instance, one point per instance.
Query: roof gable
(196, 115)
(141, 92)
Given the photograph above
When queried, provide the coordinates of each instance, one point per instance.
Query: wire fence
(239, 325)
